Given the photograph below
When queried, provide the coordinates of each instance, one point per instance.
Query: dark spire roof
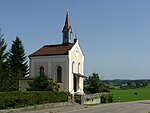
(67, 24)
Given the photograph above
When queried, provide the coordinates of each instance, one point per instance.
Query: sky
(114, 34)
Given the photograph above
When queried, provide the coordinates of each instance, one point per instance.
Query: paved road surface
(127, 107)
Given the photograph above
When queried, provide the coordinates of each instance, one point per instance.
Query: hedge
(22, 99)
(106, 98)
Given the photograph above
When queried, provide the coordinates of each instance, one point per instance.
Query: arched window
(78, 67)
(73, 67)
(41, 70)
(59, 74)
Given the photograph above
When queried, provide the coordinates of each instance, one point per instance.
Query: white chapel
(62, 63)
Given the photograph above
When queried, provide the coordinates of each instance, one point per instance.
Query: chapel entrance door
(75, 84)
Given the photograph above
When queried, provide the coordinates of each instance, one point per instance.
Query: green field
(131, 94)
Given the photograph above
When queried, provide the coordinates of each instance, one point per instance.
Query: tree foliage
(3, 64)
(94, 84)
(18, 59)
(13, 64)
(17, 63)
(2, 54)
(42, 83)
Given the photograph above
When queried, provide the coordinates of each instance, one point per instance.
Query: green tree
(94, 84)
(42, 83)
(17, 63)
(3, 64)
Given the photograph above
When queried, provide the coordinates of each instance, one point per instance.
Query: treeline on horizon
(127, 84)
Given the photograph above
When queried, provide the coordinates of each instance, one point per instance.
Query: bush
(105, 89)
(106, 98)
(21, 99)
(42, 83)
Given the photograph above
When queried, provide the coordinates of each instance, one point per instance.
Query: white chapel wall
(50, 64)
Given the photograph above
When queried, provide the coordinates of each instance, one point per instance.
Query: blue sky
(114, 34)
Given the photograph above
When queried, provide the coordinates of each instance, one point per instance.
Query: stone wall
(92, 98)
(88, 98)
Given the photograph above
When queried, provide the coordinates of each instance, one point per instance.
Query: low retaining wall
(88, 98)
(92, 98)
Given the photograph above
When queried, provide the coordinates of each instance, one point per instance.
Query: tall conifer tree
(3, 64)
(17, 62)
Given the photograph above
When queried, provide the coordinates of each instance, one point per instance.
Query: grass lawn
(129, 95)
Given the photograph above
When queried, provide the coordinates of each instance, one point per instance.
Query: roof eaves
(48, 55)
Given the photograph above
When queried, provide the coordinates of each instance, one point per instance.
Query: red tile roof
(49, 50)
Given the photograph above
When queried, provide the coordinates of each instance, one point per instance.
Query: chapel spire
(67, 31)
